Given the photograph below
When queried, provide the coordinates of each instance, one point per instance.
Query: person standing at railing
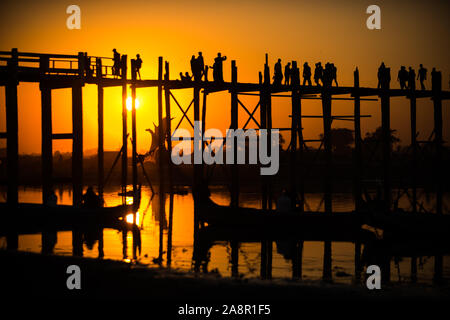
(116, 66)
(138, 65)
(87, 65)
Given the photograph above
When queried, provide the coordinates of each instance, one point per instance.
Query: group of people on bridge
(200, 70)
(322, 76)
(406, 78)
(118, 65)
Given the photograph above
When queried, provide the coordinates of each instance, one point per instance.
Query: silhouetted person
(218, 67)
(194, 67)
(278, 74)
(334, 74)
(327, 75)
(116, 65)
(381, 74)
(411, 78)
(52, 199)
(287, 74)
(402, 77)
(186, 77)
(201, 64)
(284, 203)
(87, 65)
(422, 76)
(318, 74)
(306, 74)
(138, 65)
(295, 74)
(434, 78)
(91, 199)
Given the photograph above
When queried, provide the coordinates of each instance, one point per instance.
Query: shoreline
(44, 276)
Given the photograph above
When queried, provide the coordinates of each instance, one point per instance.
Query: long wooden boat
(29, 217)
(250, 223)
(253, 224)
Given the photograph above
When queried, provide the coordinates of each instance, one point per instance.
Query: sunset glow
(130, 103)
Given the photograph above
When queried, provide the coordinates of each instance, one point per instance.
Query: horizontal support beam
(335, 117)
(62, 136)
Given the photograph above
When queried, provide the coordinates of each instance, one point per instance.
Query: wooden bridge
(54, 71)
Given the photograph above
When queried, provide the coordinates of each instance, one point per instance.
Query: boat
(250, 223)
(29, 217)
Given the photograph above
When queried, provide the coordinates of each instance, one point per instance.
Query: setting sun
(129, 103)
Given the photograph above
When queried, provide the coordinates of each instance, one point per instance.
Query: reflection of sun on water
(129, 218)
(129, 103)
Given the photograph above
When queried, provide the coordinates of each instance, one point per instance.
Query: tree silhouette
(341, 139)
(374, 138)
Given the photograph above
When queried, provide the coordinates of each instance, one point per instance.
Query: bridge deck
(61, 78)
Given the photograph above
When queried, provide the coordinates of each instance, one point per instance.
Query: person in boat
(284, 203)
(91, 199)
(52, 199)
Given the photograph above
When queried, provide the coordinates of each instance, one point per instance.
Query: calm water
(220, 253)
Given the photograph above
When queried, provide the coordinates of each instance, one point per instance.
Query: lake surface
(343, 270)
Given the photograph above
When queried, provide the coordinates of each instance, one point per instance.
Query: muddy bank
(34, 275)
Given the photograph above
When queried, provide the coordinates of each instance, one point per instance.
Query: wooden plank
(62, 136)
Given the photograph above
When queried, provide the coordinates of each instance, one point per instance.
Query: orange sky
(412, 32)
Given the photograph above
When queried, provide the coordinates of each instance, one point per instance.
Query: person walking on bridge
(422, 76)
(138, 65)
(278, 74)
(287, 74)
(318, 74)
(306, 74)
(402, 77)
(116, 65)
(218, 68)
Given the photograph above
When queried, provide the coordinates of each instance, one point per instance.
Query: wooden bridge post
(263, 123)
(413, 113)
(12, 131)
(357, 159)
(133, 131)
(46, 137)
(161, 157)
(358, 142)
(234, 126)
(386, 139)
(168, 133)
(436, 80)
(12, 143)
(77, 143)
(262, 108)
(295, 82)
(268, 125)
(386, 152)
(413, 122)
(124, 129)
(100, 148)
(438, 142)
(327, 119)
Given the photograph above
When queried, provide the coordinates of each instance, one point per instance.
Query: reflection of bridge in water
(54, 71)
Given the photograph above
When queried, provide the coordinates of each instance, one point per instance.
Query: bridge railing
(60, 64)
(43, 63)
